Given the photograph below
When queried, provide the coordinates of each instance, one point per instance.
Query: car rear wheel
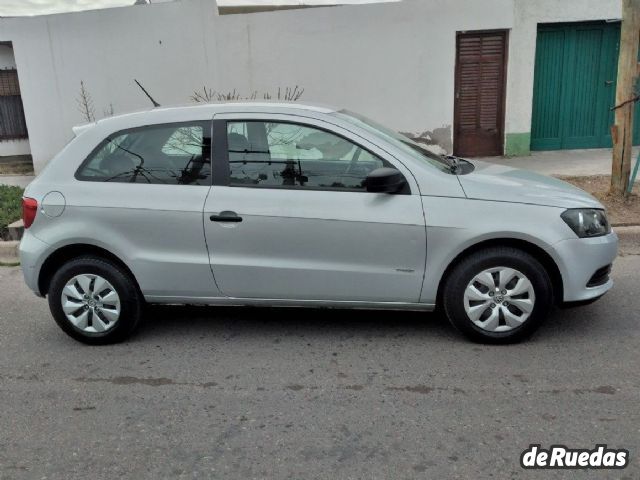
(498, 295)
(94, 300)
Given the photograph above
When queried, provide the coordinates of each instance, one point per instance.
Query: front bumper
(579, 259)
(33, 252)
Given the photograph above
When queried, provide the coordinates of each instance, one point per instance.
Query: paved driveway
(593, 161)
(306, 394)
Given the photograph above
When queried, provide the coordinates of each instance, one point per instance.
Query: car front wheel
(498, 295)
(94, 300)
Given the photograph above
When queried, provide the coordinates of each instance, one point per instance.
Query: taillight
(29, 210)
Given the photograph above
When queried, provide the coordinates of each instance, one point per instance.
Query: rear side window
(174, 154)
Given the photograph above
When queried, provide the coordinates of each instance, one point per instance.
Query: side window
(272, 154)
(178, 154)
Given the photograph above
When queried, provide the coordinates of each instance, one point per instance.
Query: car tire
(109, 305)
(512, 312)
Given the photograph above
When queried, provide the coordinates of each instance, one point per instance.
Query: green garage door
(574, 86)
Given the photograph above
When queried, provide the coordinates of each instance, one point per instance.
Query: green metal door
(574, 86)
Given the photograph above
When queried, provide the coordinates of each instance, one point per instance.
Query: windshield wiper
(453, 163)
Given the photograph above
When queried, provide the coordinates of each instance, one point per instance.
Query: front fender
(456, 225)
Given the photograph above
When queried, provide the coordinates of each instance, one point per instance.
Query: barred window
(9, 83)
(12, 122)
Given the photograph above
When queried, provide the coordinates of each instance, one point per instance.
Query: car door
(290, 218)
(141, 193)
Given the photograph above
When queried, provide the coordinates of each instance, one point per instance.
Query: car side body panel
(317, 245)
(156, 230)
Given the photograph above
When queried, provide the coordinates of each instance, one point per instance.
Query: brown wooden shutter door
(479, 90)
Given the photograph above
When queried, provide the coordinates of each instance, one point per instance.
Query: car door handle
(226, 216)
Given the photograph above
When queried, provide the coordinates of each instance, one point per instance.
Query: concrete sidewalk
(564, 162)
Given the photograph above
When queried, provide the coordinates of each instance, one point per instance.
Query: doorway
(481, 59)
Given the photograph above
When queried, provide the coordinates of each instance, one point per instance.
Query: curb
(628, 240)
(16, 230)
(624, 225)
(9, 252)
(627, 231)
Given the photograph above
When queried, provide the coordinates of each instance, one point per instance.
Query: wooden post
(622, 131)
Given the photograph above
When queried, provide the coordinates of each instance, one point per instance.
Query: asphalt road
(306, 394)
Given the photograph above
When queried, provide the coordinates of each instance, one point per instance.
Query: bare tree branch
(207, 95)
(85, 104)
(108, 112)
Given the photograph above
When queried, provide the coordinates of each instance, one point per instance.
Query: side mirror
(385, 180)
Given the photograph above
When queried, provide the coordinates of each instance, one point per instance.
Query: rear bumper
(32, 254)
(581, 260)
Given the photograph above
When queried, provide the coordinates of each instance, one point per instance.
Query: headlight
(587, 222)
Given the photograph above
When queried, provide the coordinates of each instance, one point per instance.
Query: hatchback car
(277, 204)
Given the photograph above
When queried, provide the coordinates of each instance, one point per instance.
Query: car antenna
(155, 104)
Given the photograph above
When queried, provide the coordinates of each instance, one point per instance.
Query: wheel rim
(499, 299)
(91, 303)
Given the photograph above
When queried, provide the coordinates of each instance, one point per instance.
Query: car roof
(249, 105)
(180, 112)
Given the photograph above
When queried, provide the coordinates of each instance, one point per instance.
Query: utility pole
(622, 130)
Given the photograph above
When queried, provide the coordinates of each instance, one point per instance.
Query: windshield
(404, 143)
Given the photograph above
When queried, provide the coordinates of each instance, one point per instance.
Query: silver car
(277, 204)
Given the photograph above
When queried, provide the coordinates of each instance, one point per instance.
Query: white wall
(393, 62)
(161, 45)
(11, 147)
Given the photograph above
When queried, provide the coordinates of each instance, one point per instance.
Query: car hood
(507, 184)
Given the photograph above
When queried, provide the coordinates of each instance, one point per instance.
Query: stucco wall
(161, 45)
(393, 62)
